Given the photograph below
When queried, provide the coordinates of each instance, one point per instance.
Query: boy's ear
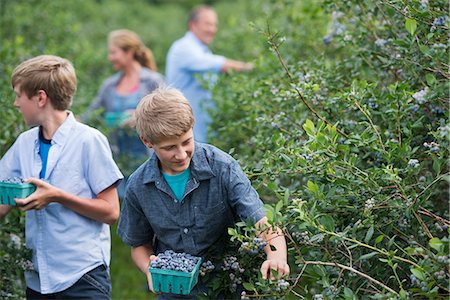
(146, 143)
(42, 98)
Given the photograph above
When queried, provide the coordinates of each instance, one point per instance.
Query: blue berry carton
(12, 188)
(175, 282)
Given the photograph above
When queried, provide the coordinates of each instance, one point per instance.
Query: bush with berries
(346, 138)
(342, 128)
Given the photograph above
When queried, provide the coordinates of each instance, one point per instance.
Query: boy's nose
(181, 154)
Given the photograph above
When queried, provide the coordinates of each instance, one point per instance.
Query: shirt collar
(200, 167)
(63, 131)
(194, 38)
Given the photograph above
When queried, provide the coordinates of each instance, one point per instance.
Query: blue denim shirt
(187, 60)
(65, 244)
(216, 193)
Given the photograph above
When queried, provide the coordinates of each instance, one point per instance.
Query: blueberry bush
(342, 128)
(346, 137)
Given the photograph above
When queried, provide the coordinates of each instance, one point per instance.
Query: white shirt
(65, 244)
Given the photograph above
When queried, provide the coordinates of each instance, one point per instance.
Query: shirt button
(186, 230)
(174, 200)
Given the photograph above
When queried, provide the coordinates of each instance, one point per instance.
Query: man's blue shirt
(217, 193)
(189, 58)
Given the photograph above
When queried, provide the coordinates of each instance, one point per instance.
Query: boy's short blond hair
(164, 113)
(53, 74)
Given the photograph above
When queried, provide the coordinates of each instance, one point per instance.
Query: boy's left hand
(43, 195)
(279, 265)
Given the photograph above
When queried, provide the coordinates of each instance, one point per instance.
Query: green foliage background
(342, 127)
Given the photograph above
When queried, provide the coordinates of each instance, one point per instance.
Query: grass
(128, 283)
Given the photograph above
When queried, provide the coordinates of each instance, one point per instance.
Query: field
(342, 128)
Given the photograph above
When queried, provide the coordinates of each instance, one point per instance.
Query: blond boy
(68, 216)
(187, 194)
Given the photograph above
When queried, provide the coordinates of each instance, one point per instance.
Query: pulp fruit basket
(9, 191)
(175, 282)
(115, 119)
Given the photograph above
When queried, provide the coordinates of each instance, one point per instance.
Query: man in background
(190, 65)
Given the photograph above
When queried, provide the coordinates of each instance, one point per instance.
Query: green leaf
(274, 272)
(379, 239)
(402, 294)
(309, 127)
(437, 244)
(348, 294)
(248, 286)
(312, 187)
(279, 206)
(231, 231)
(431, 80)
(411, 25)
(436, 166)
(327, 222)
(369, 234)
(419, 274)
(446, 178)
(331, 130)
(269, 212)
(286, 158)
(391, 241)
(321, 138)
(368, 255)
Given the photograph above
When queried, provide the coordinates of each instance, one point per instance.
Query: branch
(274, 46)
(332, 264)
(371, 124)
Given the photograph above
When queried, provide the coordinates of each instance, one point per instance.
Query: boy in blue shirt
(71, 165)
(187, 194)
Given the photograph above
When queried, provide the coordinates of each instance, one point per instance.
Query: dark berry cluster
(206, 267)
(231, 264)
(17, 180)
(253, 248)
(170, 260)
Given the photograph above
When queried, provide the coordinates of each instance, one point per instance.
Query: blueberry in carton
(175, 273)
(14, 188)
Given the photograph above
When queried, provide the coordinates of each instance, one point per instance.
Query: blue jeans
(94, 285)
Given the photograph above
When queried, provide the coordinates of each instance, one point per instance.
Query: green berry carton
(115, 119)
(174, 282)
(9, 191)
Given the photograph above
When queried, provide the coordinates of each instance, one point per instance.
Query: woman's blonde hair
(53, 74)
(164, 113)
(128, 40)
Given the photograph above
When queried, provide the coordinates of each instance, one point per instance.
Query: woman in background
(119, 94)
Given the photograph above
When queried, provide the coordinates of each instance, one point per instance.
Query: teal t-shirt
(178, 182)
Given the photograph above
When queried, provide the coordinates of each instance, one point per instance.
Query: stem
(396, 277)
(371, 247)
(399, 130)
(431, 184)
(274, 46)
(419, 219)
(428, 213)
(371, 123)
(373, 280)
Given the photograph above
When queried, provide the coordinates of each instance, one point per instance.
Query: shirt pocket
(211, 222)
(66, 178)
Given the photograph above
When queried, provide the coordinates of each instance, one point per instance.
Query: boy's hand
(149, 276)
(279, 265)
(43, 195)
